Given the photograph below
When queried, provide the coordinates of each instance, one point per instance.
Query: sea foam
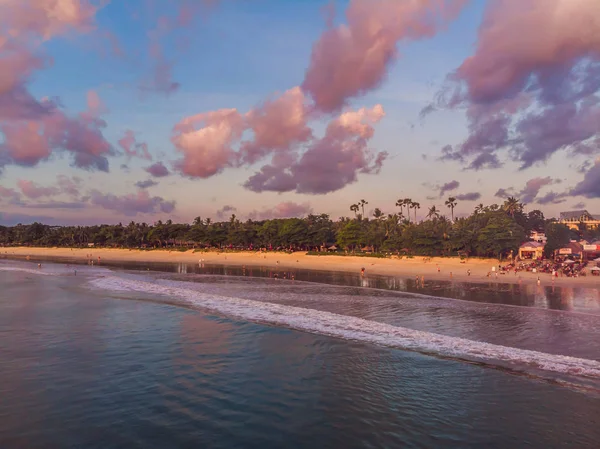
(28, 270)
(357, 329)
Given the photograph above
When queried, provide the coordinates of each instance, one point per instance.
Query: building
(531, 250)
(574, 218)
(571, 250)
(538, 237)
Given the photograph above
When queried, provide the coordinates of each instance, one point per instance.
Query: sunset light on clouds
(153, 109)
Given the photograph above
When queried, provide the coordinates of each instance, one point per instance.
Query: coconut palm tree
(480, 208)
(416, 206)
(377, 214)
(354, 208)
(512, 206)
(362, 204)
(433, 212)
(451, 203)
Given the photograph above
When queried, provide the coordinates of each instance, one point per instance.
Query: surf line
(358, 329)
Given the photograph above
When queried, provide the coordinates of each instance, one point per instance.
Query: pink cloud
(158, 170)
(531, 84)
(352, 59)
(161, 75)
(330, 163)
(518, 40)
(205, 141)
(69, 185)
(132, 204)
(133, 148)
(34, 191)
(277, 124)
(33, 129)
(48, 18)
(11, 194)
(287, 209)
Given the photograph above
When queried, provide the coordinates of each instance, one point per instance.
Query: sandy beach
(449, 268)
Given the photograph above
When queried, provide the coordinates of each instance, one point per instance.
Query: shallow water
(113, 358)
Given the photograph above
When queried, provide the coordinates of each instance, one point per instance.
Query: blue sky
(235, 56)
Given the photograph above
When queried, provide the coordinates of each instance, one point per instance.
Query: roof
(576, 214)
(532, 245)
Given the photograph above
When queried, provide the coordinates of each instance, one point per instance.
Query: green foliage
(558, 235)
(490, 231)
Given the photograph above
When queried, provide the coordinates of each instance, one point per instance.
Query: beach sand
(449, 268)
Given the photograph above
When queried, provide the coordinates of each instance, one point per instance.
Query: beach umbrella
(569, 261)
(595, 269)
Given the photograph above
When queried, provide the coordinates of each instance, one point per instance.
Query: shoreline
(402, 268)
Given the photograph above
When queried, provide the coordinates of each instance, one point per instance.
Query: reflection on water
(576, 299)
(81, 369)
(530, 295)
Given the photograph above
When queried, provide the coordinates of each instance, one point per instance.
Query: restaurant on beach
(531, 250)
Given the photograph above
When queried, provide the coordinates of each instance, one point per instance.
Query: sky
(145, 110)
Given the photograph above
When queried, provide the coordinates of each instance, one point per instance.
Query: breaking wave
(28, 270)
(358, 329)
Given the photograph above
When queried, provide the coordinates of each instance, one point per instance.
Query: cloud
(32, 190)
(69, 185)
(11, 194)
(504, 193)
(449, 187)
(185, 12)
(329, 163)
(532, 188)
(277, 124)
(580, 205)
(287, 209)
(33, 129)
(224, 211)
(472, 196)
(529, 193)
(205, 141)
(158, 170)
(64, 185)
(56, 205)
(132, 148)
(531, 85)
(354, 58)
(589, 187)
(552, 198)
(146, 184)
(132, 204)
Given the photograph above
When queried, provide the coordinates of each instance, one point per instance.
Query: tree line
(489, 231)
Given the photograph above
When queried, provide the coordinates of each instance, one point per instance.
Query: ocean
(178, 356)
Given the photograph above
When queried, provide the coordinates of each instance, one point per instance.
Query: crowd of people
(557, 268)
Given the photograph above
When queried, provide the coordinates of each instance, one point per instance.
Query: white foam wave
(358, 329)
(27, 270)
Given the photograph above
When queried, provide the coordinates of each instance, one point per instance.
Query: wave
(28, 270)
(358, 329)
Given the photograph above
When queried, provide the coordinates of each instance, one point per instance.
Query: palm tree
(451, 203)
(377, 214)
(480, 208)
(362, 205)
(354, 208)
(198, 221)
(433, 212)
(416, 206)
(512, 206)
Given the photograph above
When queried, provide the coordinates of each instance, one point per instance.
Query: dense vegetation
(490, 231)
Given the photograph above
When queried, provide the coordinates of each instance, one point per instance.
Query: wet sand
(450, 268)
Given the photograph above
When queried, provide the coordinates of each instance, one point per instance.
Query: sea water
(121, 358)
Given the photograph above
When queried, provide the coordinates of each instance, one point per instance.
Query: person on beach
(362, 271)
(468, 272)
